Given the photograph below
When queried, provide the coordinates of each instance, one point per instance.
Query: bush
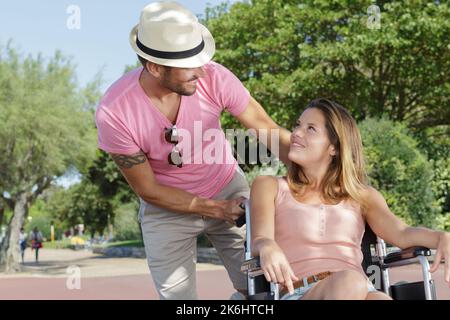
(443, 222)
(436, 144)
(126, 225)
(399, 171)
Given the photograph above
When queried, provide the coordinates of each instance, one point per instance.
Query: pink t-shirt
(127, 122)
(318, 238)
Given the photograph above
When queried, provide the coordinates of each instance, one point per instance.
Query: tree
(95, 199)
(126, 225)
(89, 207)
(111, 184)
(47, 127)
(2, 212)
(289, 52)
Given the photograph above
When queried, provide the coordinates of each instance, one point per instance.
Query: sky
(99, 44)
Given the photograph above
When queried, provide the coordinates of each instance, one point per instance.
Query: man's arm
(255, 117)
(139, 175)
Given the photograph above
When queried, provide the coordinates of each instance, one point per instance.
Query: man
(146, 121)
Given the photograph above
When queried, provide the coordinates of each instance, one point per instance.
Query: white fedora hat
(168, 34)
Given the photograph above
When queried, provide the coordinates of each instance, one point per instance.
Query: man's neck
(155, 91)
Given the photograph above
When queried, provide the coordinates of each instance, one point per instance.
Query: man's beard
(177, 88)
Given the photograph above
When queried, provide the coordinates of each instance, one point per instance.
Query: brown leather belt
(306, 281)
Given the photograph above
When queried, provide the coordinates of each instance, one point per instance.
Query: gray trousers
(170, 241)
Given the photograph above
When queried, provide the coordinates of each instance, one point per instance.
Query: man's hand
(230, 210)
(139, 175)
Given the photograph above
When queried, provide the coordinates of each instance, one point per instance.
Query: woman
(36, 242)
(309, 225)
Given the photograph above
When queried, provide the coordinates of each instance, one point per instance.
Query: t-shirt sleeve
(113, 135)
(229, 90)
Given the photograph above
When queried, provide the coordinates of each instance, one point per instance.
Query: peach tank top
(318, 238)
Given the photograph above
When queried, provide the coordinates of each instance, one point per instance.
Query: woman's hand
(276, 266)
(443, 251)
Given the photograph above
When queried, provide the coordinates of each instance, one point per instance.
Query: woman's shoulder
(270, 186)
(373, 199)
(265, 180)
(270, 180)
(267, 184)
(370, 194)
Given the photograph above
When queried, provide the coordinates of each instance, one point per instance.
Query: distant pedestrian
(22, 243)
(36, 242)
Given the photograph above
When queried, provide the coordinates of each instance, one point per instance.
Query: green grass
(58, 244)
(128, 243)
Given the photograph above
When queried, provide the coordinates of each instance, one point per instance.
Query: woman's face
(310, 145)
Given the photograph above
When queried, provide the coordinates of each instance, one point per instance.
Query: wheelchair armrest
(251, 265)
(405, 254)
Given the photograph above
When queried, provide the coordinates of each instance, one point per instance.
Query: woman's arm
(394, 231)
(274, 263)
(262, 212)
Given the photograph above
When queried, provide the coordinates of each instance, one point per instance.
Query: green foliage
(58, 205)
(39, 217)
(104, 173)
(126, 225)
(437, 145)
(289, 52)
(127, 243)
(58, 244)
(46, 128)
(435, 142)
(90, 207)
(82, 203)
(128, 68)
(93, 201)
(441, 182)
(43, 225)
(443, 222)
(399, 171)
(265, 170)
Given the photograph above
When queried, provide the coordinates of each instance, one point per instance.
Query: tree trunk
(10, 250)
(2, 214)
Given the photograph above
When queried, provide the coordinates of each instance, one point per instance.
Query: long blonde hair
(346, 176)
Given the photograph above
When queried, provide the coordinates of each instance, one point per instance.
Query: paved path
(101, 278)
(129, 278)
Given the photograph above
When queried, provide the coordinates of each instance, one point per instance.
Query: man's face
(181, 80)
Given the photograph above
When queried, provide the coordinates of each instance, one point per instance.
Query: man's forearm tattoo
(128, 161)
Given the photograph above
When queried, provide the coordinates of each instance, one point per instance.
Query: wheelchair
(376, 264)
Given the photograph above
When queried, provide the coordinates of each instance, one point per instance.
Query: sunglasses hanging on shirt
(171, 136)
